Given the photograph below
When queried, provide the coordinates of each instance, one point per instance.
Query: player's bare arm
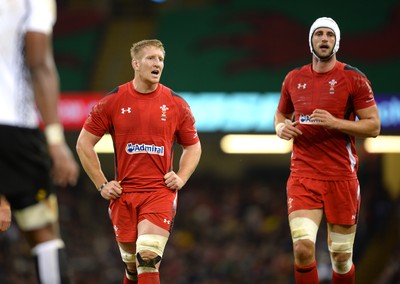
(284, 126)
(91, 164)
(39, 59)
(367, 125)
(5, 214)
(188, 162)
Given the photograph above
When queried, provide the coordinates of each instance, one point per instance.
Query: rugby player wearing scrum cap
(318, 108)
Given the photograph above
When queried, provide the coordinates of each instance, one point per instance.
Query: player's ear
(135, 64)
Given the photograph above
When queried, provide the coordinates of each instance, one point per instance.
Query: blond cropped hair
(138, 46)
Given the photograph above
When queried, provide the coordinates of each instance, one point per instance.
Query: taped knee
(341, 244)
(153, 243)
(129, 258)
(303, 229)
(133, 276)
(126, 256)
(150, 263)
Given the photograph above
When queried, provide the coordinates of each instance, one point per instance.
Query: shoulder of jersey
(114, 91)
(178, 98)
(299, 68)
(348, 67)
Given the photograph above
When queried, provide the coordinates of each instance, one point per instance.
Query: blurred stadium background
(231, 225)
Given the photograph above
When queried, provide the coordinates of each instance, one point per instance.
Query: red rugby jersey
(144, 128)
(324, 153)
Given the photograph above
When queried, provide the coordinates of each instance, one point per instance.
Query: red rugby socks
(149, 278)
(348, 278)
(306, 274)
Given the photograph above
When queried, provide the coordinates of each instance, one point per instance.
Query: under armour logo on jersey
(301, 86)
(123, 110)
(167, 221)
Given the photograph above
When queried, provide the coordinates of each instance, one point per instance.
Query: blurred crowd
(225, 232)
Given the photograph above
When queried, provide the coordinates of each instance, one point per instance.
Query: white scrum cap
(325, 22)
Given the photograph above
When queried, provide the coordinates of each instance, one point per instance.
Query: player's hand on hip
(173, 181)
(111, 190)
(65, 169)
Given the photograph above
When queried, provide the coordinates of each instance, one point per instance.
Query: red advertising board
(75, 107)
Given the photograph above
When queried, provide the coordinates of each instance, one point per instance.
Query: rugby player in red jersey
(145, 119)
(323, 106)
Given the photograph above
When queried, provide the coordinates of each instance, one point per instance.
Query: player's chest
(144, 116)
(327, 93)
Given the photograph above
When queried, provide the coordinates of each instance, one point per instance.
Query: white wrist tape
(54, 134)
(279, 126)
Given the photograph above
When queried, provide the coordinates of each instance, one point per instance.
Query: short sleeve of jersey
(361, 90)
(97, 122)
(42, 16)
(187, 132)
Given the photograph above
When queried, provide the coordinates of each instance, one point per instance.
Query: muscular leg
(50, 256)
(39, 224)
(149, 251)
(128, 252)
(304, 227)
(340, 243)
(142, 259)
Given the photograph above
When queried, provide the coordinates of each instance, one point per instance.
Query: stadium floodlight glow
(254, 144)
(382, 144)
(105, 145)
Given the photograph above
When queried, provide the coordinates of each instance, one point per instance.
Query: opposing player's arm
(5, 214)
(45, 82)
